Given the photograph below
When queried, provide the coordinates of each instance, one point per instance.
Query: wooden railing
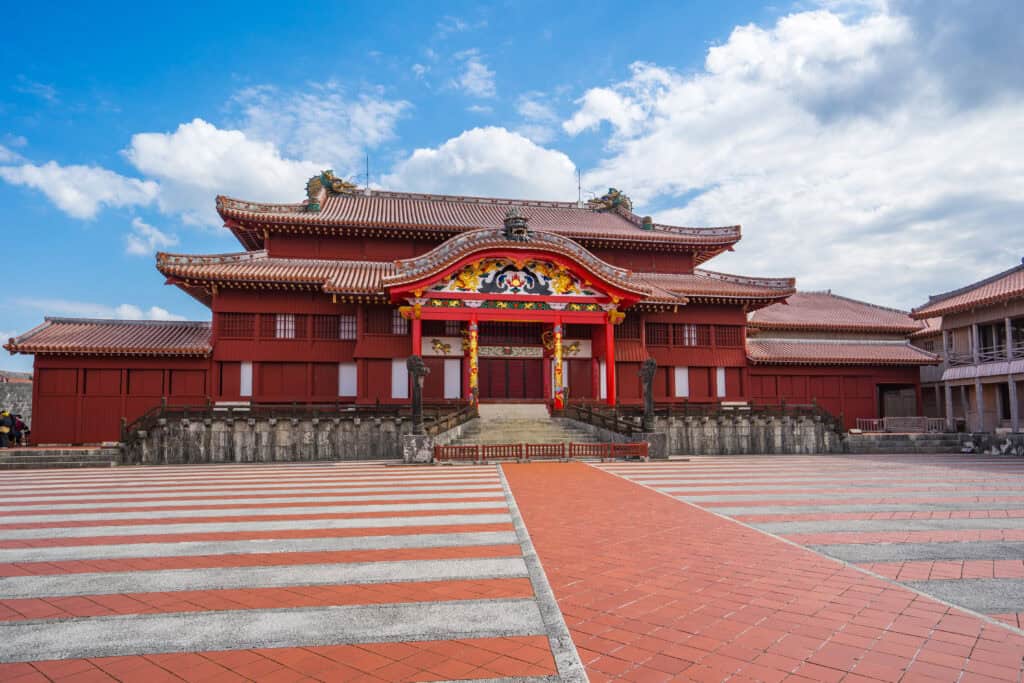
(439, 416)
(539, 451)
(987, 354)
(910, 425)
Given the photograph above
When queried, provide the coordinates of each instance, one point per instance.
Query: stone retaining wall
(17, 398)
(220, 439)
(736, 434)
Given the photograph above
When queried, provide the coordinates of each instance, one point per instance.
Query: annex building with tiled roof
(504, 299)
(978, 332)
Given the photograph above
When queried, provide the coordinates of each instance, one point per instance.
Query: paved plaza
(714, 569)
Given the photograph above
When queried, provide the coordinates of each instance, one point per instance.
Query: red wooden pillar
(609, 351)
(417, 337)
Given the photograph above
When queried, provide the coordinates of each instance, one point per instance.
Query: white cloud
(9, 156)
(476, 79)
(540, 118)
(43, 91)
(320, 122)
(449, 25)
(199, 160)
(480, 109)
(537, 132)
(837, 145)
(488, 161)
(530, 107)
(281, 140)
(85, 309)
(80, 191)
(144, 239)
(420, 70)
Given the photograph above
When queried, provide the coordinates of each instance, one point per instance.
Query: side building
(850, 357)
(979, 331)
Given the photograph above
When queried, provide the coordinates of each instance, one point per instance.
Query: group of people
(13, 430)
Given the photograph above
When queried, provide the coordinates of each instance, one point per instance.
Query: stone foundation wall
(737, 434)
(17, 398)
(221, 439)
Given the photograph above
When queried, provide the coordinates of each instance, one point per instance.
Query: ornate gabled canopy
(513, 262)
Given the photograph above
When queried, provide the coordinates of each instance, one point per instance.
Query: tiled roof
(367, 277)
(1001, 287)
(115, 338)
(932, 327)
(709, 285)
(257, 266)
(447, 214)
(829, 312)
(823, 352)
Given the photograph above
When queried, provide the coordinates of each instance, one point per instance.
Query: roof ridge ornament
(610, 200)
(516, 227)
(319, 185)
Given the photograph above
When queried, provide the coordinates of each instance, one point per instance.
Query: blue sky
(871, 147)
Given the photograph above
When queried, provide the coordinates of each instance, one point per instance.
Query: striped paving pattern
(346, 571)
(948, 526)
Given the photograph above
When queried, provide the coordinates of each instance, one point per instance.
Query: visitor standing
(6, 423)
(17, 430)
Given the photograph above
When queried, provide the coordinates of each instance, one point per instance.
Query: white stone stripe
(45, 533)
(250, 512)
(239, 491)
(281, 545)
(267, 482)
(274, 576)
(241, 629)
(264, 477)
(285, 503)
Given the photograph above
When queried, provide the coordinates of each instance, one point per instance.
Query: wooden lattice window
(728, 335)
(325, 327)
(501, 333)
(628, 329)
(378, 321)
(284, 326)
(346, 327)
(657, 334)
(399, 325)
(691, 334)
(577, 331)
(268, 323)
(236, 325)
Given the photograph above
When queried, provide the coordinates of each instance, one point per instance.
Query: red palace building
(505, 300)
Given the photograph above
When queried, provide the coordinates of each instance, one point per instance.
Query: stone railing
(175, 435)
(712, 429)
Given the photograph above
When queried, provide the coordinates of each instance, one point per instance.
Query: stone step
(51, 458)
(56, 465)
(520, 423)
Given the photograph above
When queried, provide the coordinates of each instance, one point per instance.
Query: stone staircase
(520, 423)
(904, 443)
(56, 458)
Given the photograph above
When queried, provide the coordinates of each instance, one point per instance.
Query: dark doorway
(897, 401)
(511, 379)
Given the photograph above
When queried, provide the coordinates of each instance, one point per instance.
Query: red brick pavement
(653, 589)
(365, 663)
